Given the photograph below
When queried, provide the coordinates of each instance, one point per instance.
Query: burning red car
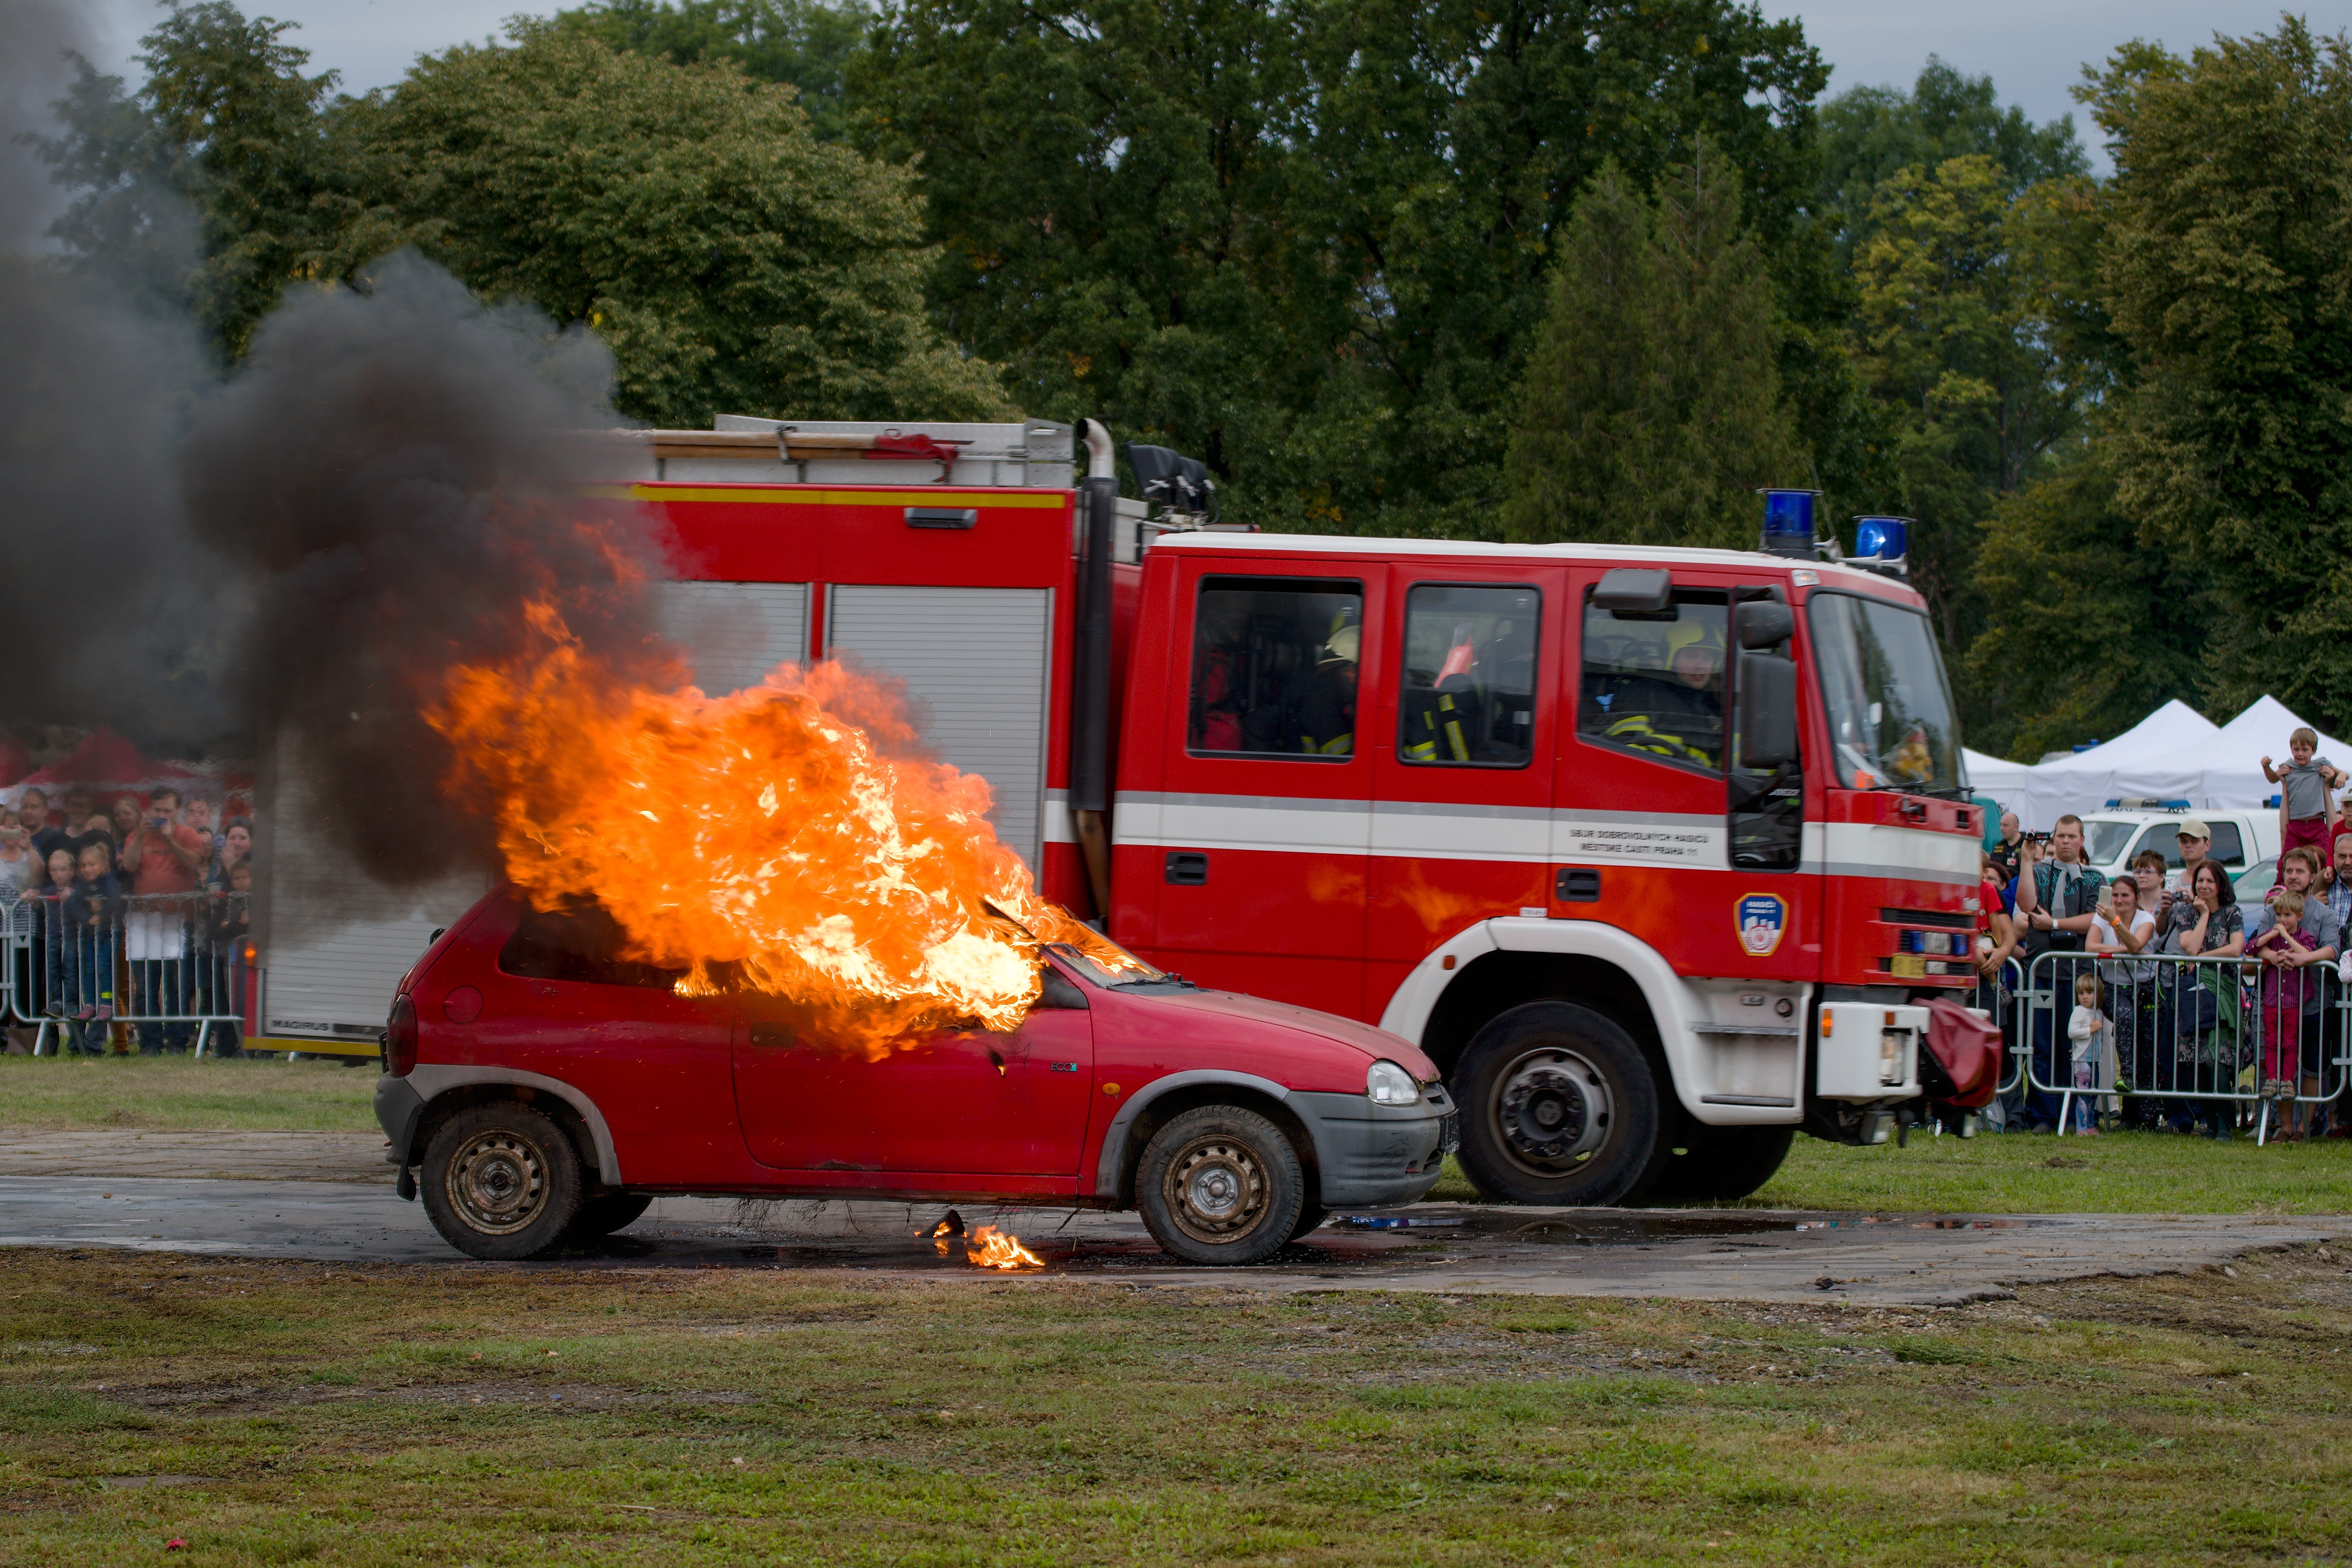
(542, 1089)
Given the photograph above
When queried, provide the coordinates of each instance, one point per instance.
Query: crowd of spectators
(2151, 1042)
(123, 920)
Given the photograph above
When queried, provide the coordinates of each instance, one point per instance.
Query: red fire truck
(1654, 852)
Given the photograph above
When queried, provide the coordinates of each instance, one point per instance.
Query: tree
(2088, 632)
(225, 126)
(734, 263)
(806, 43)
(1305, 242)
(2228, 274)
(1652, 408)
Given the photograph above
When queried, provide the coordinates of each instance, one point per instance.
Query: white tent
(2136, 762)
(2174, 753)
(1994, 776)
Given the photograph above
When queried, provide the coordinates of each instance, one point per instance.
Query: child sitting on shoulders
(2307, 809)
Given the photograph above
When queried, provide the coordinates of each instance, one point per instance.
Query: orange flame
(992, 1248)
(767, 831)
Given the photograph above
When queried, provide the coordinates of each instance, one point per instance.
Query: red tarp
(106, 765)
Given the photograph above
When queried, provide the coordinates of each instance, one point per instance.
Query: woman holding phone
(2207, 923)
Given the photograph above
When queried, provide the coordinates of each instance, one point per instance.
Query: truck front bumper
(1374, 1156)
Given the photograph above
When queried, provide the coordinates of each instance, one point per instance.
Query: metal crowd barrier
(1996, 996)
(2190, 1040)
(169, 966)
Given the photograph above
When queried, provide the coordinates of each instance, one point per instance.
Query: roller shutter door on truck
(976, 658)
(334, 942)
(337, 942)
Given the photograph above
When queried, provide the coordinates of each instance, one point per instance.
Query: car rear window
(579, 942)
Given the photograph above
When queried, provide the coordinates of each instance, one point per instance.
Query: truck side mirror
(1767, 704)
(1763, 625)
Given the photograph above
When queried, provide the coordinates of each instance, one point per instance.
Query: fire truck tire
(1720, 1163)
(500, 1182)
(605, 1213)
(1559, 1107)
(1220, 1184)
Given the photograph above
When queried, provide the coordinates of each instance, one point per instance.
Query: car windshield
(1883, 683)
(1110, 964)
(2105, 841)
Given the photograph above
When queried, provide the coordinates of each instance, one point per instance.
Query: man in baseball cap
(2195, 839)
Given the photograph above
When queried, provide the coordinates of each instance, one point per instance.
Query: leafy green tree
(226, 127)
(1652, 408)
(1308, 242)
(806, 43)
(2227, 273)
(734, 263)
(1868, 133)
(2087, 632)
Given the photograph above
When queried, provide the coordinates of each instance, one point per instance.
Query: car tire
(1310, 1217)
(501, 1182)
(605, 1213)
(1560, 1106)
(1220, 1184)
(1721, 1164)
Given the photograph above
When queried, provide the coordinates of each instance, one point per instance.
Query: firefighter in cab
(1326, 713)
(1681, 715)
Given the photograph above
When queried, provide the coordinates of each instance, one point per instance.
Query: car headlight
(1388, 1084)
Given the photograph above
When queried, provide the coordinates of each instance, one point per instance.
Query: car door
(965, 1102)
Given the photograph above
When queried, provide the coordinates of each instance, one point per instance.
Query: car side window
(1653, 680)
(579, 942)
(1466, 696)
(2228, 847)
(1274, 667)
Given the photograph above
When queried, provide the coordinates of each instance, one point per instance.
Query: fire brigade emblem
(1762, 918)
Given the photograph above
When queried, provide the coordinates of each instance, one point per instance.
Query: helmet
(1685, 633)
(1346, 645)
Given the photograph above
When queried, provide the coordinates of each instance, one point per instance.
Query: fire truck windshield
(1882, 681)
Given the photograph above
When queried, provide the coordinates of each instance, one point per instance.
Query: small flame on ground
(992, 1248)
(767, 831)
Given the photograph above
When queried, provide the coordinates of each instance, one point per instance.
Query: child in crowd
(93, 921)
(2306, 797)
(2283, 989)
(2088, 1029)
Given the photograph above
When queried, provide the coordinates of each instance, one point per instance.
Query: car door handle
(1186, 870)
(773, 1034)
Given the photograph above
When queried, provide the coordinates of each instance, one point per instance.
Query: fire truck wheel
(1559, 1107)
(500, 1182)
(1719, 1163)
(1220, 1184)
(605, 1213)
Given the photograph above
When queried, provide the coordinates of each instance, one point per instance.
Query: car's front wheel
(501, 1182)
(1220, 1184)
(1559, 1106)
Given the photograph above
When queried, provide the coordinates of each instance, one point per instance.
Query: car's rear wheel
(501, 1182)
(1560, 1106)
(605, 1213)
(1220, 1184)
(1719, 1165)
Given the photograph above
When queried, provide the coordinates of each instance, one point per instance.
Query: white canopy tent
(2174, 753)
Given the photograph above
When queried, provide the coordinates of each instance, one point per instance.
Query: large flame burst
(766, 832)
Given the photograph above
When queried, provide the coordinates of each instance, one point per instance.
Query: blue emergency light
(1789, 522)
(1882, 538)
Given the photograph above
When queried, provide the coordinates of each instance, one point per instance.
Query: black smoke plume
(281, 563)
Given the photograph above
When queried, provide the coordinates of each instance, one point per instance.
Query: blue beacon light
(1882, 538)
(1789, 522)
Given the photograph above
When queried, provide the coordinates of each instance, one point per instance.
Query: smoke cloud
(292, 557)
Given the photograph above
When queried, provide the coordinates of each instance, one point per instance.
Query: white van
(2241, 840)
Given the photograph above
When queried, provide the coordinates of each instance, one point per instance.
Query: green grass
(2120, 1172)
(282, 1412)
(177, 1092)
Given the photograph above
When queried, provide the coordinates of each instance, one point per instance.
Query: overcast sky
(2033, 49)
